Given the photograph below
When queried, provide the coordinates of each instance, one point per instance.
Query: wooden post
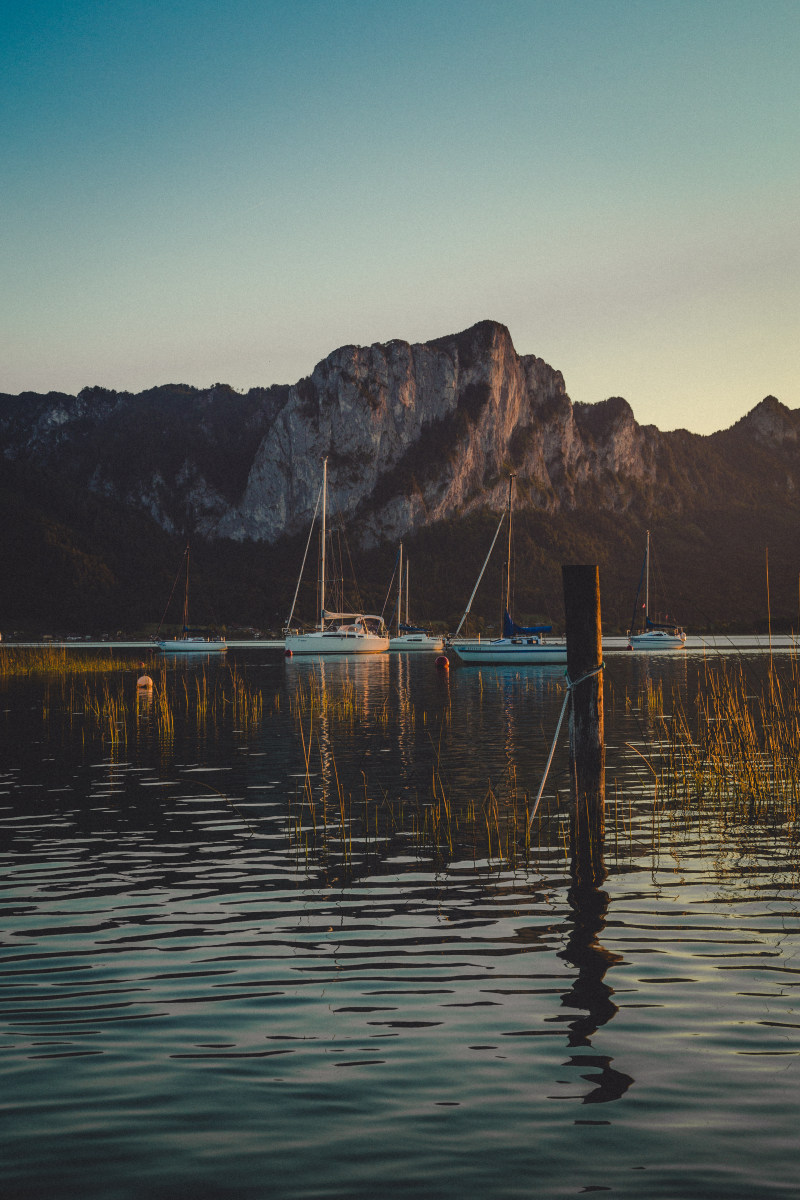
(586, 732)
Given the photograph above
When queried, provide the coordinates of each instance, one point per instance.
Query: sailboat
(519, 645)
(655, 635)
(191, 641)
(336, 632)
(411, 637)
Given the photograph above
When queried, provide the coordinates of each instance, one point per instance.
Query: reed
(57, 661)
(737, 757)
(341, 822)
(729, 762)
(341, 826)
(312, 697)
(118, 711)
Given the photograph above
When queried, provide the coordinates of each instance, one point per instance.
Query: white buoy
(144, 683)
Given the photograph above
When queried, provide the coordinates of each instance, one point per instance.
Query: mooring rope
(570, 685)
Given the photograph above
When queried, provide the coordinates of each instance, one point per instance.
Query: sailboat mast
(407, 591)
(186, 594)
(508, 554)
(647, 579)
(480, 577)
(400, 591)
(324, 534)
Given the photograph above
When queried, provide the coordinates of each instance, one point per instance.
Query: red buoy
(443, 662)
(287, 653)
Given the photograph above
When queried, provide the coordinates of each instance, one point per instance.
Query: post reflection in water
(590, 995)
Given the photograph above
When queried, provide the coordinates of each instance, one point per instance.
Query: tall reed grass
(55, 661)
(335, 820)
(738, 754)
(727, 761)
(119, 712)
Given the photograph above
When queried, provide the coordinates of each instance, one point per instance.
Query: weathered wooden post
(586, 734)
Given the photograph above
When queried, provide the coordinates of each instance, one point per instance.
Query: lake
(276, 930)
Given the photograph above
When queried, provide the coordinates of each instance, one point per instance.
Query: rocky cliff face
(413, 435)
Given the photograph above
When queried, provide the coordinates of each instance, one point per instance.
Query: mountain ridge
(419, 437)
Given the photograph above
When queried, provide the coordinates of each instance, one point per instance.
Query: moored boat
(340, 633)
(655, 635)
(411, 637)
(191, 641)
(515, 652)
(336, 632)
(193, 645)
(519, 645)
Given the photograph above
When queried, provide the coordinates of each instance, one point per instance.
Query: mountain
(99, 492)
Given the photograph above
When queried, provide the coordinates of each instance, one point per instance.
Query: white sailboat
(336, 632)
(411, 637)
(519, 646)
(655, 635)
(191, 641)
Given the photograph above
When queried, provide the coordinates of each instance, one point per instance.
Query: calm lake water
(240, 959)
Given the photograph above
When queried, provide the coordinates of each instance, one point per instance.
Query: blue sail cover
(660, 624)
(510, 629)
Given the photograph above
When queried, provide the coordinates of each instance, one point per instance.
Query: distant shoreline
(614, 643)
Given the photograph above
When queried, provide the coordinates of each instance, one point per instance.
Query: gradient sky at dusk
(196, 191)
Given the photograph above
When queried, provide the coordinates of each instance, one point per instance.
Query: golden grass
(120, 712)
(728, 761)
(738, 753)
(726, 764)
(329, 821)
(56, 661)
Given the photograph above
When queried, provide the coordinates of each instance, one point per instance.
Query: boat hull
(510, 652)
(336, 643)
(655, 639)
(193, 646)
(416, 642)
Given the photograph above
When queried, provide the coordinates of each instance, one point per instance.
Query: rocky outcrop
(414, 434)
(770, 423)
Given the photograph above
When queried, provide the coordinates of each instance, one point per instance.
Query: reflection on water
(282, 943)
(590, 994)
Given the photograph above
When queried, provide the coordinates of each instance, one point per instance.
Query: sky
(194, 191)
